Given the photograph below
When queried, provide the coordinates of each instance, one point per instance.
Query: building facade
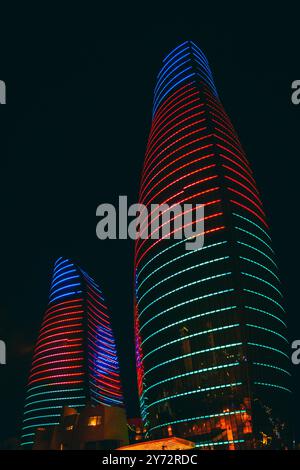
(211, 336)
(75, 360)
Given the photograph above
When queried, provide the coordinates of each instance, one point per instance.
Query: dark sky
(73, 135)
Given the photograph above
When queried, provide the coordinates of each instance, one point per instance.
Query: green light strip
(259, 251)
(266, 297)
(50, 408)
(186, 420)
(271, 366)
(201, 351)
(54, 399)
(199, 371)
(203, 390)
(29, 434)
(199, 281)
(255, 236)
(41, 416)
(55, 391)
(262, 280)
(189, 252)
(267, 329)
(269, 347)
(40, 425)
(188, 319)
(27, 443)
(273, 386)
(182, 271)
(169, 248)
(212, 330)
(185, 303)
(253, 223)
(266, 313)
(262, 266)
(204, 444)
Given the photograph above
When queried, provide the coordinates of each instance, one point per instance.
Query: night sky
(73, 136)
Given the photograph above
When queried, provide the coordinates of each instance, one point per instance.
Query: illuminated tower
(211, 348)
(75, 360)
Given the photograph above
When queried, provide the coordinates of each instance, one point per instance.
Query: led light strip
(191, 392)
(199, 333)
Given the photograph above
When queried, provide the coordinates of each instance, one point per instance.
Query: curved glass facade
(211, 347)
(75, 360)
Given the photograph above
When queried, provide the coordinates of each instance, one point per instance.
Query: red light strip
(73, 353)
(54, 336)
(52, 321)
(251, 211)
(244, 186)
(164, 111)
(247, 198)
(197, 131)
(239, 166)
(187, 175)
(169, 122)
(188, 126)
(198, 149)
(240, 154)
(241, 176)
(200, 113)
(55, 377)
(188, 198)
(174, 97)
(204, 157)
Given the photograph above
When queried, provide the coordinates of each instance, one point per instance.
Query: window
(94, 421)
(70, 427)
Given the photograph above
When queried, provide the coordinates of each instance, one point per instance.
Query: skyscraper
(75, 361)
(211, 338)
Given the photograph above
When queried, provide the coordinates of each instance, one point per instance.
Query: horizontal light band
(185, 286)
(199, 371)
(195, 353)
(261, 364)
(196, 418)
(211, 330)
(267, 329)
(191, 392)
(273, 386)
(266, 313)
(264, 281)
(264, 346)
(195, 266)
(195, 299)
(193, 317)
